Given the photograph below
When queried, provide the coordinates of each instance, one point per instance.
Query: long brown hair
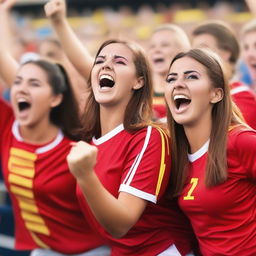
(139, 109)
(224, 115)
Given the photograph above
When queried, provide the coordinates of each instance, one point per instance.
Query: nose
(107, 65)
(179, 83)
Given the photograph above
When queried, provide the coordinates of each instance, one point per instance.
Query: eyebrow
(115, 57)
(30, 79)
(186, 72)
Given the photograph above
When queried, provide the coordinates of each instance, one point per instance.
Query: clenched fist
(56, 10)
(82, 159)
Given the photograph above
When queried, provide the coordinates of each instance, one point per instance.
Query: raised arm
(252, 6)
(56, 11)
(8, 65)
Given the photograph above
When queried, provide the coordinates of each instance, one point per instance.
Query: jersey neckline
(108, 135)
(193, 157)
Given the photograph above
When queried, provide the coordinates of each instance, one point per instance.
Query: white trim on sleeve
(138, 193)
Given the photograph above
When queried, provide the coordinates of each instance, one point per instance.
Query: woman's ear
(217, 95)
(56, 100)
(139, 83)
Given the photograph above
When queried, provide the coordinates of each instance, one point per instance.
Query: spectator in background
(220, 38)
(248, 47)
(165, 42)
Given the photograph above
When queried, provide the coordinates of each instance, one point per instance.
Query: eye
(192, 77)
(98, 62)
(16, 82)
(170, 79)
(120, 61)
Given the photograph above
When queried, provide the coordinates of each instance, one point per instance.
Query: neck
(110, 118)
(159, 83)
(39, 134)
(197, 135)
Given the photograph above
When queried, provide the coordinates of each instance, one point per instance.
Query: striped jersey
(43, 192)
(138, 163)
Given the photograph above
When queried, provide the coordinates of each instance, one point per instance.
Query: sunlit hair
(66, 114)
(181, 39)
(138, 112)
(224, 35)
(248, 28)
(224, 116)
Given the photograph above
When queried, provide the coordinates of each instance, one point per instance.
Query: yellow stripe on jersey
(20, 153)
(39, 242)
(28, 205)
(21, 192)
(158, 100)
(21, 162)
(162, 165)
(26, 172)
(38, 228)
(18, 180)
(32, 218)
(166, 139)
(21, 178)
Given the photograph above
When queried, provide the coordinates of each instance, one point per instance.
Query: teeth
(106, 77)
(180, 96)
(21, 100)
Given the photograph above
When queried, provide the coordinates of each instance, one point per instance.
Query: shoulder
(241, 137)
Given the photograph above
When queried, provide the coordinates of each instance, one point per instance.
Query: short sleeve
(246, 148)
(147, 166)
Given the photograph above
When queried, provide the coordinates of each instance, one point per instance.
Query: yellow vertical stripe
(38, 228)
(26, 172)
(28, 206)
(32, 218)
(22, 192)
(18, 161)
(166, 139)
(18, 180)
(23, 154)
(39, 242)
(162, 165)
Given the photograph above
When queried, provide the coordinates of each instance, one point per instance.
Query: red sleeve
(147, 169)
(246, 147)
(6, 116)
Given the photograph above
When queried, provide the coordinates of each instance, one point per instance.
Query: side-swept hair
(224, 115)
(138, 112)
(66, 114)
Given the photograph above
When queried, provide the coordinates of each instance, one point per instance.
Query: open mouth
(181, 101)
(158, 60)
(23, 105)
(106, 81)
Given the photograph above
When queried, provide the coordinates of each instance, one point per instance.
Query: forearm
(115, 215)
(8, 65)
(74, 49)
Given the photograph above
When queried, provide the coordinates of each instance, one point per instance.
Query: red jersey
(245, 99)
(159, 107)
(139, 164)
(224, 216)
(43, 192)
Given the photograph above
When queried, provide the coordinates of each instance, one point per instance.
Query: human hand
(7, 4)
(56, 10)
(82, 159)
